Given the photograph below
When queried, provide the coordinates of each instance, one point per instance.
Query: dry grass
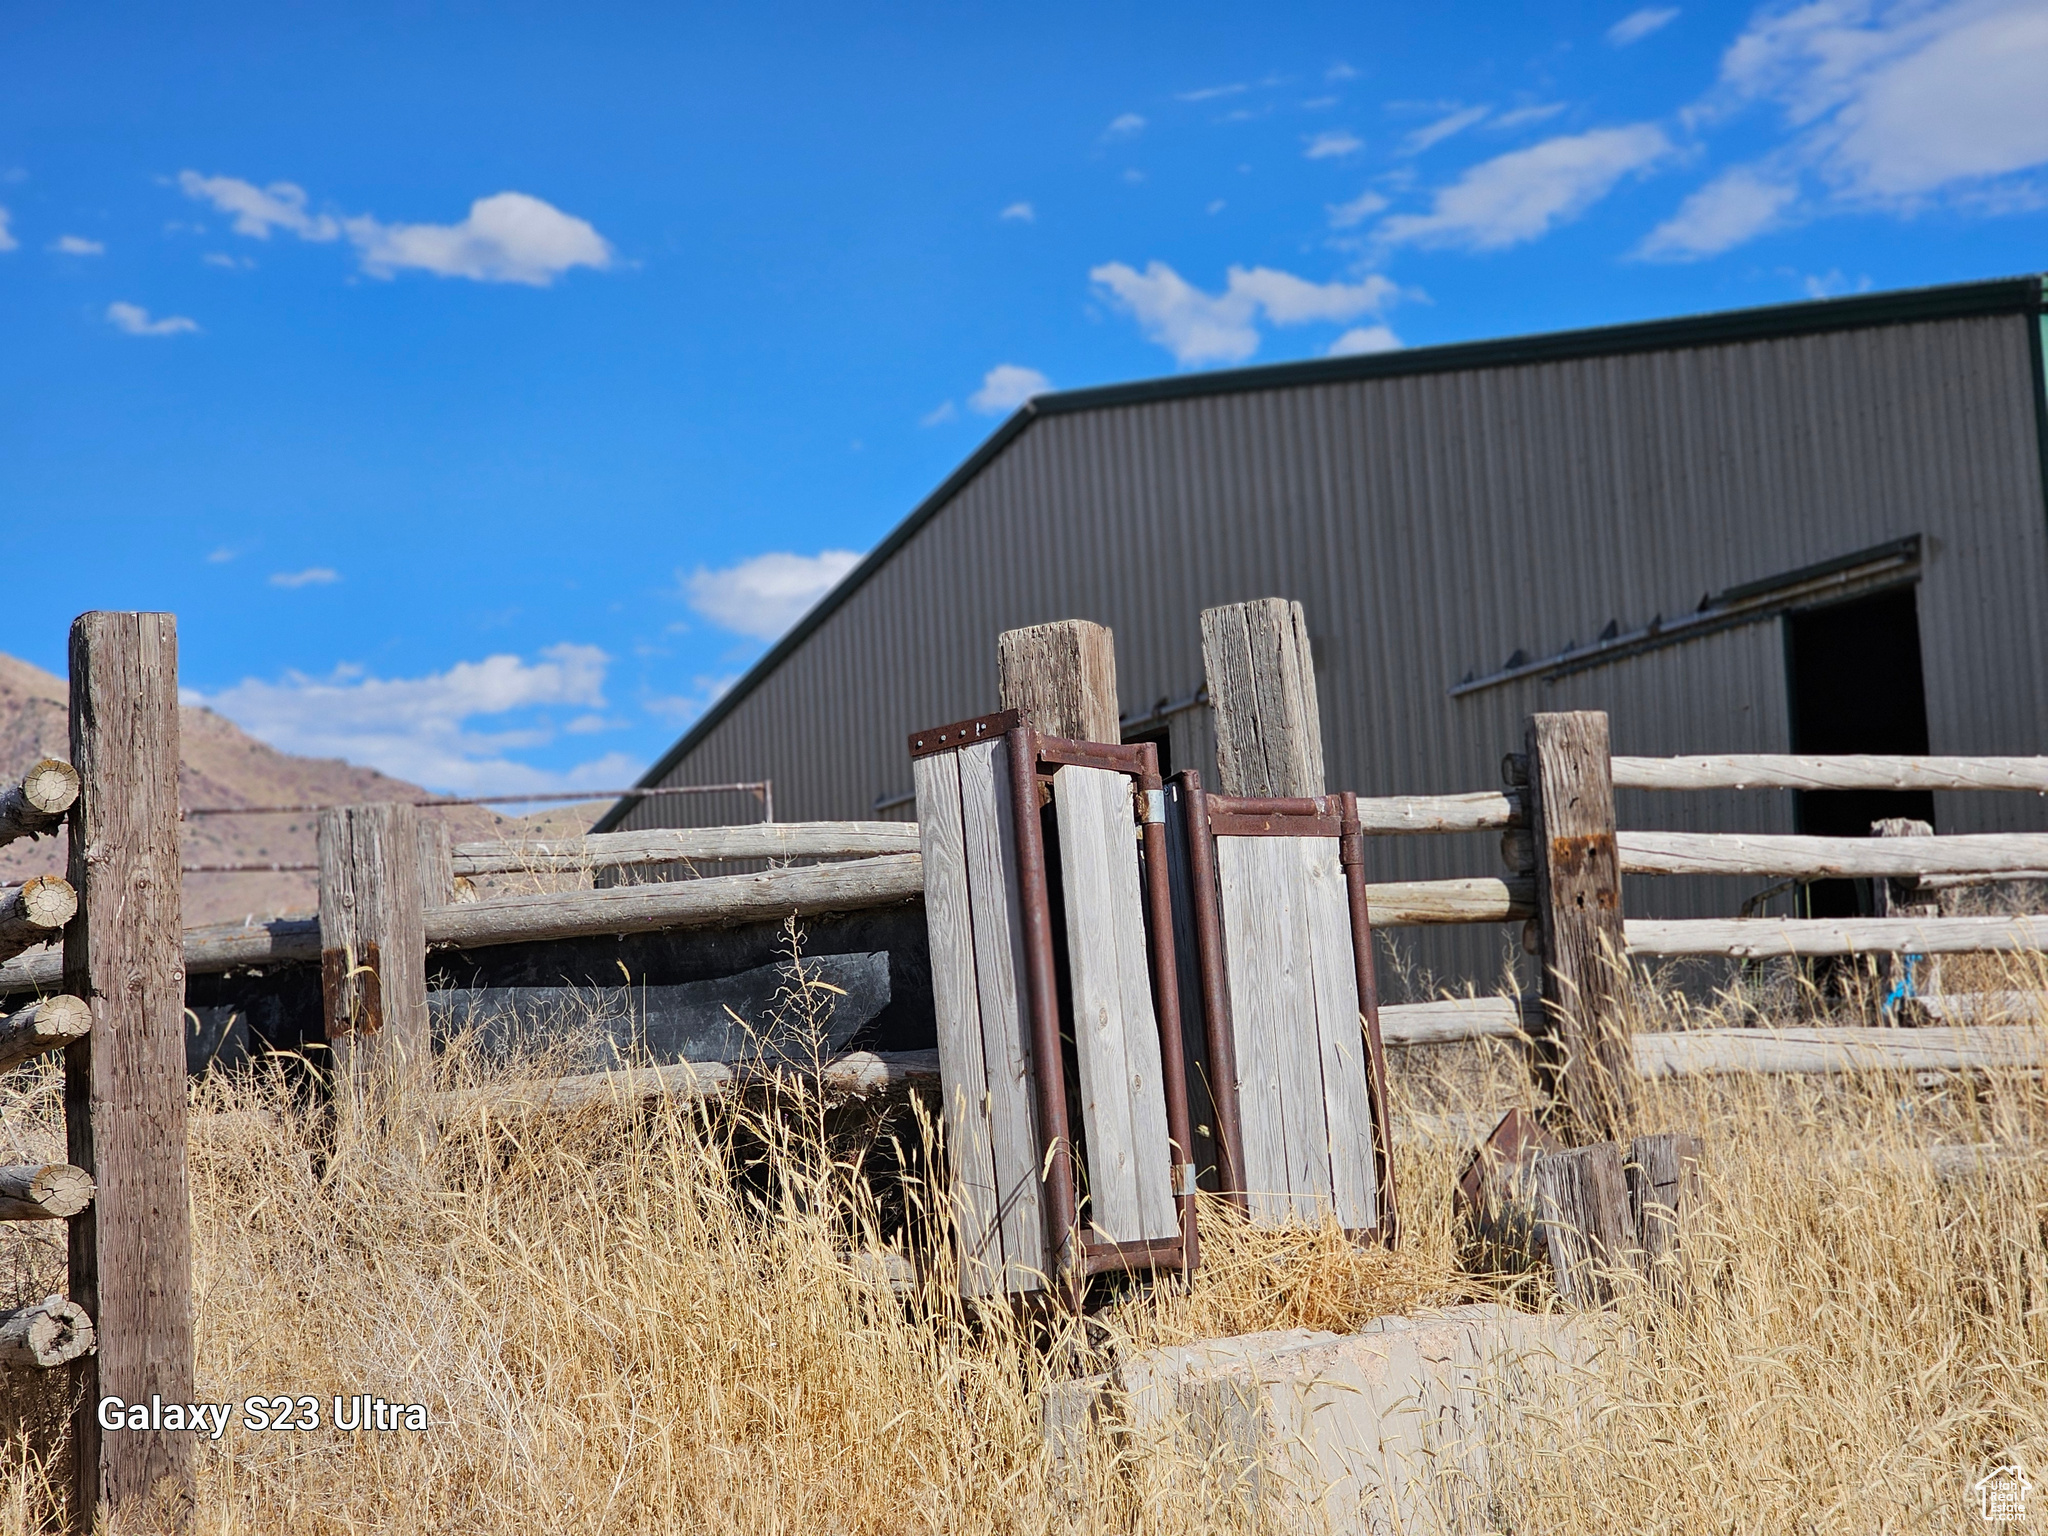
(646, 1321)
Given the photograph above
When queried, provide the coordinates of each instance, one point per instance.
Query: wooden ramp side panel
(1116, 1032)
(1266, 950)
(963, 1071)
(1341, 1032)
(996, 907)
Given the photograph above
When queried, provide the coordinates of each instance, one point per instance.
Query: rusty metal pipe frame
(1223, 1091)
(1166, 1002)
(1041, 984)
(1351, 854)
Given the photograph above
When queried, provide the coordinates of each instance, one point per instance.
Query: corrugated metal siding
(1431, 525)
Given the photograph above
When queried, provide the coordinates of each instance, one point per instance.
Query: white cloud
(763, 596)
(682, 709)
(1212, 92)
(1637, 25)
(1007, 386)
(1896, 102)
(1728, 210)
(1357, 211)
(1198, 327)
(134, 319)
(1216, 205)
(1522, 116)
(311, 576)
(259, 210)
(1523, 194)
(222, 555)
(1340, 71)
(509, 237)
(7, 240)
(938, 415)
(419, 728)
(232, 263)
(1361, 339)
(1333, 144)
(1129, 123)
(77, 245)
(1436, 132)
(1023, 213)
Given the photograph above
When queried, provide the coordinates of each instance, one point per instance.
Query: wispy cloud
(1007, 386)
(77, 245)
(1199, 327)
(938, 415)
(1340, 71)
(311, 576)
(222, 555)
(1357, 211)
(135, 320)
(420, 728)
(763, 596)
(509, 237)
(232, 263)
(1735, 206)
(1521, 117)
(1637, 25)
(1022, 213)
(1124, 126)
(1213, 92)
(1435, 133)
(7, 240)
(1333, 144)
(1521, 195)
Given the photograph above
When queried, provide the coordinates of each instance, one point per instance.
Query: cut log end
(50, 787)
(43, 1191)
(47, 1024)
(47, 901)
(52, 1332)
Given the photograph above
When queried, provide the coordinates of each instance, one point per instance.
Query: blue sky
(486, 387)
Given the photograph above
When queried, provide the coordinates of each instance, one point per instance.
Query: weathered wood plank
(1744, 853)
(1347, 1109)
(1254, 962)
(956, 1002)
(1788, 771)
(996, 906)
(687, 845)
(43, 1191)
(1262, 687)
(1582, 1203)
(124, 1083)
(36, 806)
(373, 954)
(1123, 1105)
(1757, 938)
(50, 1333)
(1062, 676)
(1451, 1019)
(1715, 1052)
(1664, 1189)
(1578, 912)
(48, 1024)
(437, 864)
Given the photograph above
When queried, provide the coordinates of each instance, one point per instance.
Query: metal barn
(1814, 527)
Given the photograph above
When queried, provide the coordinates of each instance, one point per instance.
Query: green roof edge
(1998, 296)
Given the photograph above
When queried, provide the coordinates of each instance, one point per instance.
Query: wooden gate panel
(996, 907)
(1347, 1108)
(1116, 1033)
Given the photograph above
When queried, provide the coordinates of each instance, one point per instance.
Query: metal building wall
(1432, 524)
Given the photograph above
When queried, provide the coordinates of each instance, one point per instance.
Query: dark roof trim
(2002, 296)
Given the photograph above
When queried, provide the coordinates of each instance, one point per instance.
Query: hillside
(224, 765)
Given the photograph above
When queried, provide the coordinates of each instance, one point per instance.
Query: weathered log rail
(687, 845)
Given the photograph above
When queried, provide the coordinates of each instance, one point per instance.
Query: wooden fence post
(1063, 676)
(373, 954)
(124, 1083)
(1262, 686)
(1578, 920)
(437, 863)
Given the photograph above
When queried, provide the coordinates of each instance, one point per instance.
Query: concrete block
(1385, 1431)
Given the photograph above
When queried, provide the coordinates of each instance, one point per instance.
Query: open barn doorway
(1856, 686)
